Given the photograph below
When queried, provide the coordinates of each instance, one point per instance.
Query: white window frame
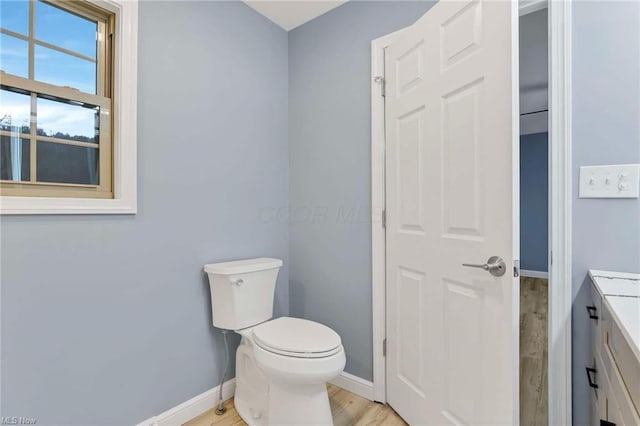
(124, 199)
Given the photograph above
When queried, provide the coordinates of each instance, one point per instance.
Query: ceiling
(292, 13)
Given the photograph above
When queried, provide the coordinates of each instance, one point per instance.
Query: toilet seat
(298, 338)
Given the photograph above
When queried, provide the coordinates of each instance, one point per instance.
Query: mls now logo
(18, 420)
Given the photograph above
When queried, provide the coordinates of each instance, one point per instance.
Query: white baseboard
(354, 384)
(192, 408)
(533, 274)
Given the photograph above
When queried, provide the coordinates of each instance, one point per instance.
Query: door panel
(452, 332)
(409, 183)
(460, 340)
(461, 203)
(410, 346)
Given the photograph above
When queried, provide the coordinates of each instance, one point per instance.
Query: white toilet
(282, 364)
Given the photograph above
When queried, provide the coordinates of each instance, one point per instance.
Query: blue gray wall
(106, 319)
(606, 130)
(534, 202)
(101, 311)
(330, 172)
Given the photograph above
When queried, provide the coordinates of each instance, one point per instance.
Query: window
(56, 99)
(68, 106)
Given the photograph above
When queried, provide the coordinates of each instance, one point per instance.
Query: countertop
(621, 291)
(616, 283)
(627, 312)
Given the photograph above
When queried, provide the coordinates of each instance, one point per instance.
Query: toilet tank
(242, 291)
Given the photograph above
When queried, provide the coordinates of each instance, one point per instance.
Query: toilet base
(287, 406)
(263, 403)
(299, 405)
(252, 389)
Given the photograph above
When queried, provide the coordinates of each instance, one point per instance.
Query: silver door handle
(495, 265)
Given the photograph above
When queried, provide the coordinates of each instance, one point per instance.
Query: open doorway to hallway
(534, 214)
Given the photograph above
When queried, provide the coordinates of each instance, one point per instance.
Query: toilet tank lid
(242, 266)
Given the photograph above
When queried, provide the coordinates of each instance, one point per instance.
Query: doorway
(559, 147)
(452, 235)
(534, 215)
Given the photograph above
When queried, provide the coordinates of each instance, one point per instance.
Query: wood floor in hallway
(533, 351)
(347, 409)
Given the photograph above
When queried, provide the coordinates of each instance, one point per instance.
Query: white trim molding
(378, 245)
(560, 199)
(124, 134)
(192, 408)
(354, 384)
(527, 273)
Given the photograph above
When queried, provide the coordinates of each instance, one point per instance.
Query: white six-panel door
(452, 331)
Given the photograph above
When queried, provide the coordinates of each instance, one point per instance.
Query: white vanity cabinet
(613, 369)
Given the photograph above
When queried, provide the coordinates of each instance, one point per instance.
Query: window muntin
(68, 86)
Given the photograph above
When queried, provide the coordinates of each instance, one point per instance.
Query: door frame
(560, 199)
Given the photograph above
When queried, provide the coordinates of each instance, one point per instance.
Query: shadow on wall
(297, 292)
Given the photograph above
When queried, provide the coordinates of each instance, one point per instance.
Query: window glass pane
(58, 68)
(14, 56)
(64, 29)
(66, 121)
(15, 110)
(61, 163)
(14, 16)
(14, 158)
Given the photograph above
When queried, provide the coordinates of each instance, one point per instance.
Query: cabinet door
(594, 375)
(623, 357)
(613, 413)
(593, 316)
(596, 400)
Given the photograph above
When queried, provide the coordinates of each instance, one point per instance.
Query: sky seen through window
(64, 30)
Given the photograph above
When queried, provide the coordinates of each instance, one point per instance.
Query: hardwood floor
(350, 409)
(533, 351)
(347, 409)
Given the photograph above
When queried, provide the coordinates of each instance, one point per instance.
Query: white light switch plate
(616, 181)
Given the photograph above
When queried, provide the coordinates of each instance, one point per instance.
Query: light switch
(616, 181)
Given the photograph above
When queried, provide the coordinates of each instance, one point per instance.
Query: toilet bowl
(292, 359)
(282, 364)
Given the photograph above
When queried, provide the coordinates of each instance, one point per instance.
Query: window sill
(44, 205)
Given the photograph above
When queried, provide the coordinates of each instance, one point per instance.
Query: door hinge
(516, 268)
(551, 257)
(384, 347)
(384, 219)
(383, 85)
